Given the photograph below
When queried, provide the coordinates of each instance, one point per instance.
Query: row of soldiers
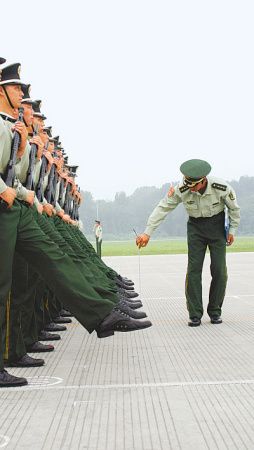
(48, 267)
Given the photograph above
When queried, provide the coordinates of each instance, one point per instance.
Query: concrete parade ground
(167, 387)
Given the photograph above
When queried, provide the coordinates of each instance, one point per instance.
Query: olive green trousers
(19, 230)
(206, 233)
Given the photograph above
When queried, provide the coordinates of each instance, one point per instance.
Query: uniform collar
(7, 117)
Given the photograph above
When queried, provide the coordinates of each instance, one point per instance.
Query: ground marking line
(204, 296)
(131, 386)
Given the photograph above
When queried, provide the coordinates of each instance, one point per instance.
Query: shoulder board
(220, 187)
(183, 188)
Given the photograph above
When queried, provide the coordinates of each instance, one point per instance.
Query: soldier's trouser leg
(218, 269)
(28, 318)
(18, 227)
(197, 245)
(88, 246)
(60, 234)
(14, 343)
(47, 313)
(39, 304)
(54, 305)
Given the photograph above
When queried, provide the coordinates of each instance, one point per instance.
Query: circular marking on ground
(4, 440)
(43, 381)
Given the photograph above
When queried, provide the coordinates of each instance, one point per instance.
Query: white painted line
(42, 381)
(133, 386)
(204, 296)
(4, 440)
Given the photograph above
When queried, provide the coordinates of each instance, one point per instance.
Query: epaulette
(220, 187)
(183, 188)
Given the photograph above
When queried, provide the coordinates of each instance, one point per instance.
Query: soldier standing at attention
(98, 236)
(205, 199)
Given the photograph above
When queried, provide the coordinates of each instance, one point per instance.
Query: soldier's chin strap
(7, 96)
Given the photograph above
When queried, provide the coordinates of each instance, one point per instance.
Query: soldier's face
(28, 114)
(40, 124)
(51, 147)
(198, 186)
(15, 94)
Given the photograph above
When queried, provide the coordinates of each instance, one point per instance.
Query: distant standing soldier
(98, 236)
(205, 199)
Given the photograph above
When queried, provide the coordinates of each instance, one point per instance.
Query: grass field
(166, 247)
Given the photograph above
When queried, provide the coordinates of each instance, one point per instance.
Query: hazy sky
(135, 87)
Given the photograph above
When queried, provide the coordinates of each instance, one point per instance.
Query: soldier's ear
(1, 92)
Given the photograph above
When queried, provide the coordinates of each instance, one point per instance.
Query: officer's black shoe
(119, 321)
(134, 314)
(26, 361)
(46, 336)
(38, 347)
(216, 320)
(65, 313)
(194, 322)
(8, 380)
(54, 327)
(60, 319)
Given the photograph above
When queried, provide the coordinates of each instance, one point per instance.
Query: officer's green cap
(195, 168)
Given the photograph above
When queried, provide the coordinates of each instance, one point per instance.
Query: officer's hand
(30, 198)
(9, 196)
(230, 239)
(142, 240)
(22, 130)
(37, 141)
(48, 209)
(39, 208)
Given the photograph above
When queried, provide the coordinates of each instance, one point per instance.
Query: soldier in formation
(48, 267)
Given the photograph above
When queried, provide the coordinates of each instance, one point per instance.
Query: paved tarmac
(167, 387)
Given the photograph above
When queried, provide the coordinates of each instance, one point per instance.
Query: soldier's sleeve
(58, 208)
(20, 190)
(233, 210)
(3, 186)
(166, 205)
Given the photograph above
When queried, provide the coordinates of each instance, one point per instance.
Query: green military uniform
(205, 229)
(19, 230)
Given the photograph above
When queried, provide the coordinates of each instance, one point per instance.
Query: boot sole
(14, 384)
(40, 351)
(111, 332)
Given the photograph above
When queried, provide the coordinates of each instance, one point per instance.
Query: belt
(207, 219)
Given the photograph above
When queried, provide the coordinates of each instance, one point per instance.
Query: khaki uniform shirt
(6, 136)
(218, 195)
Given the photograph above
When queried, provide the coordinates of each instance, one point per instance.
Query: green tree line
(124, 213)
